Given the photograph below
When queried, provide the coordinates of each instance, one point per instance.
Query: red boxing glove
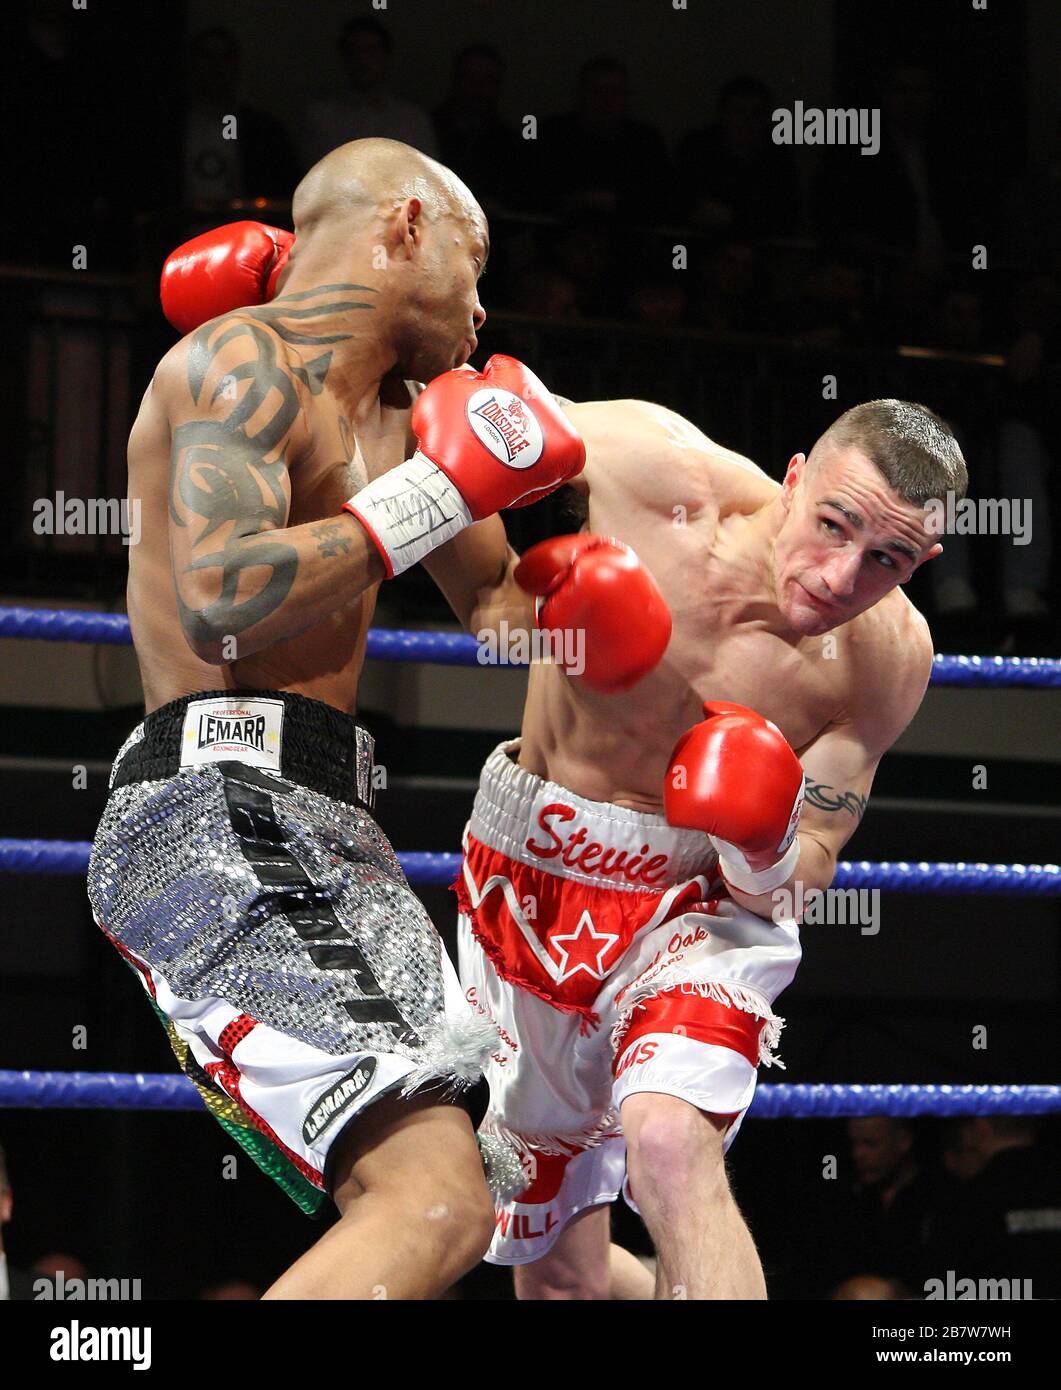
(228, 268)
(736, 777)
(514, 422)
(488, 440)
(598, 587)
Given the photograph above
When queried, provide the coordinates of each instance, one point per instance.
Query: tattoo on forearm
(330, 539)
(223, 475)
(826, 798)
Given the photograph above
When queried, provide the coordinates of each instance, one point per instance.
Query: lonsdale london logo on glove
(507, 428)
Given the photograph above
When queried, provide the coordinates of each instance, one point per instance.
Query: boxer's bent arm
(244, 578)
(646, 452)
(839, 770)
(475, 573)
(840, 764)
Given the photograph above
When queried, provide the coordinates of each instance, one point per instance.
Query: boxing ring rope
(438, 870)
(116, 1091)
(460, 649)
(89, 1090)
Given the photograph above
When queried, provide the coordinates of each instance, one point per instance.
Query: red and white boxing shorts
(601, 944)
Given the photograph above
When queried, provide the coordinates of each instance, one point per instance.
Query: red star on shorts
(585, 947)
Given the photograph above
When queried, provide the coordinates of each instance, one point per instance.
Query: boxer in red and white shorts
(632, 868)
(604, 948)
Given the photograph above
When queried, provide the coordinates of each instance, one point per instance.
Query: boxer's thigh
(577, 1264)
(420, 1153)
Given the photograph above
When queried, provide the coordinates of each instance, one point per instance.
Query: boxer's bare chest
(340, 458)
(724, 644)
(616, 747)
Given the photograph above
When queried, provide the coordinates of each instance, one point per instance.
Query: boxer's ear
(793, 473)
(929, 554)
(409, 224)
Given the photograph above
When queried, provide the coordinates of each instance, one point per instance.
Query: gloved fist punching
(736, 777)
(228, 268)
(599, 588)
(487, 440)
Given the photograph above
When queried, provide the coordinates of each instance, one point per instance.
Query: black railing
(80, 350)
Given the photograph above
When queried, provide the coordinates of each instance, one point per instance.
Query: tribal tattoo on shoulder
(223, 475)
(826, 798)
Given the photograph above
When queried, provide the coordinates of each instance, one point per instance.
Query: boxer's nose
(841, 572)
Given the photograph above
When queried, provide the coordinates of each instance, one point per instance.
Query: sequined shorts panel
(278, 938)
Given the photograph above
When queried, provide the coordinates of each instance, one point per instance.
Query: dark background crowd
(930, 268)
(706, 267)
(874, 1209)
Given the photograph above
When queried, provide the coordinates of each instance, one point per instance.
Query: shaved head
(366, 177)
(380, 218)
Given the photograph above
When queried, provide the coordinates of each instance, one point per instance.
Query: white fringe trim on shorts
(455, 1050)
(565, 1145)
(728, 992)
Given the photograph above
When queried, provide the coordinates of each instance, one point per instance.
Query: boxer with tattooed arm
(283, 472)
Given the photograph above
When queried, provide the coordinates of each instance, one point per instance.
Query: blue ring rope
(87, 1090)
(460, 649)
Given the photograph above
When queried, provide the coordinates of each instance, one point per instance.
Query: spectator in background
(960, 1155)
(967, 403)
(15, 1284)
(59, 1262)
(660, 300)
(473, 138)
(260, 161)
(584, 251)
(901, 198)
(731, 176)
(1007, 424)
(232, 1290)
(598, 159)
(869, 1288)
(877, 1219)
(544, 291)
(831, 306)
(1033, 212)
(1027, 452)
(1004, 1222)
(728, 293)
(370, 109)
(892, 1195)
